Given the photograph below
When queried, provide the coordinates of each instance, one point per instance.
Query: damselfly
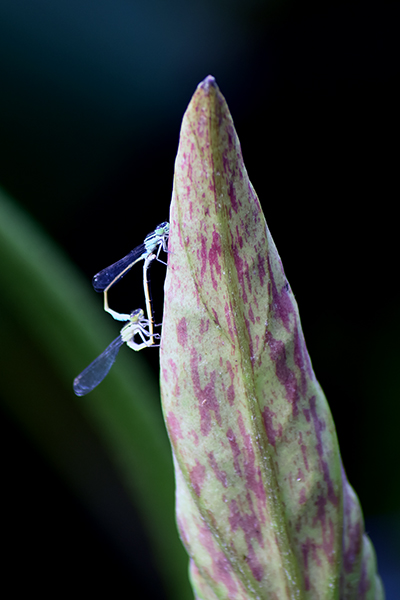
(99, 368)
(105, 279)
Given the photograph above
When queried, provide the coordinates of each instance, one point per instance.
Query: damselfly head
(162, 229)
(136, 315)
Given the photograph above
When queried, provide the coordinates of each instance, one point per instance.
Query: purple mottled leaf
(263, 508)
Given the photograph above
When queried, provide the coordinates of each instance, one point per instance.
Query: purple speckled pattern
(263, 505)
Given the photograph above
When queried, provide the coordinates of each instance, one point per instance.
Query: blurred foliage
(50, 331)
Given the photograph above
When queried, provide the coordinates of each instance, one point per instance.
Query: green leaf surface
(263, 506)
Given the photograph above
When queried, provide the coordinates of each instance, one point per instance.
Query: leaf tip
(207, 83)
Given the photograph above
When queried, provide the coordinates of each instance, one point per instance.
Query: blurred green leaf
(52, 327)
(263, 505)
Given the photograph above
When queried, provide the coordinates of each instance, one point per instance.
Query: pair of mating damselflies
(137, 324)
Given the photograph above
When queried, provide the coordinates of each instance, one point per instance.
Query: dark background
(91, 101)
